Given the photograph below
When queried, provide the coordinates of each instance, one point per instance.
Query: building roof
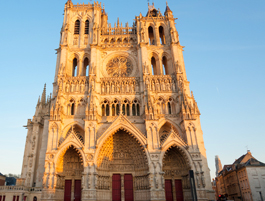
(1, 174)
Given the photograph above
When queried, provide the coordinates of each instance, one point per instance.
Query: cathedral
(121, 123)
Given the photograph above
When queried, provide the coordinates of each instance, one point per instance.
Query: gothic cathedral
(121, 123)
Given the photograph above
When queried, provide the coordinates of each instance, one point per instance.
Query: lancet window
(162, 35)
(151, 35)
(71, 107)
(87, 27)
(154, 67)
(126, 107)
(74, 70)
(165, 66)
(105, 110)
(77, 27)
(86, 67)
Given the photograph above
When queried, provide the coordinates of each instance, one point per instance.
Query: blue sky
(224, 58)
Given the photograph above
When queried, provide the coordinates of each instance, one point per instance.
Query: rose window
(119, 67)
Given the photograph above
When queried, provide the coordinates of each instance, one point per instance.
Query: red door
(168, 190)
(17, 198)
(14, 198)
(128, 187)
(0, 197)
(77, 190)
(179, 191)
(67, 190)
(4, 198)
(116, 187)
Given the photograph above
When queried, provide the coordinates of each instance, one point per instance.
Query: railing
(119, 31)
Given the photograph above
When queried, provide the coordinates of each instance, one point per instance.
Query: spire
(43, 96)
(38, 101)
(167, 8)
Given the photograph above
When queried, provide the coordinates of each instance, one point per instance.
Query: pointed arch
(58, 159)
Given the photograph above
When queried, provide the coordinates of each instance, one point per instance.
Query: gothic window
(107, 110)
(86, 67)
(128, 110)
(162, 35)
(77, 27)
(73, 109)
(113, 110)
(154, 69)
(151, 36)
(169, 108)
(123, 109)
(138, 110)
(117, 109)
(165, 66)
(87, 27)
(103, 110)
(135, 108)
(74, 68)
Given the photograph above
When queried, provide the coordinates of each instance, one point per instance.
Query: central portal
(122, 168)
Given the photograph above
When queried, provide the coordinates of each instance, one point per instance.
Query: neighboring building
(122, 123)
(243, 180)
(2, 179)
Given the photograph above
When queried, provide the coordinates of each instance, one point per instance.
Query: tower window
(153, 63)
(74, 67)
(77, 27)
(165, 67)
(151, 36)
(162, 35)
(86, 67)
(87, 27)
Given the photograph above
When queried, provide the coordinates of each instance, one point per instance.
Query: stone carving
(119, 67)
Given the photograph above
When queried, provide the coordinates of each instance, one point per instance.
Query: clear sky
(224, 57)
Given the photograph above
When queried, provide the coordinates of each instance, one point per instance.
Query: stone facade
(121, 105)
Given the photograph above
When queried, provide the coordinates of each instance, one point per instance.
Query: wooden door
(0, 197)
(67, 190)
(77, 190)
(4, 198)
(128, 187)
(14, 198)
(168, 190)
(179, 191)
(116, 187)
(17, 198)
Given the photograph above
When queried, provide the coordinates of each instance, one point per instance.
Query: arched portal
(69, 174)
(122, 167)
(176, 168)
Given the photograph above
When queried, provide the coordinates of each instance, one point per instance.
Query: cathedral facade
(121, 123)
